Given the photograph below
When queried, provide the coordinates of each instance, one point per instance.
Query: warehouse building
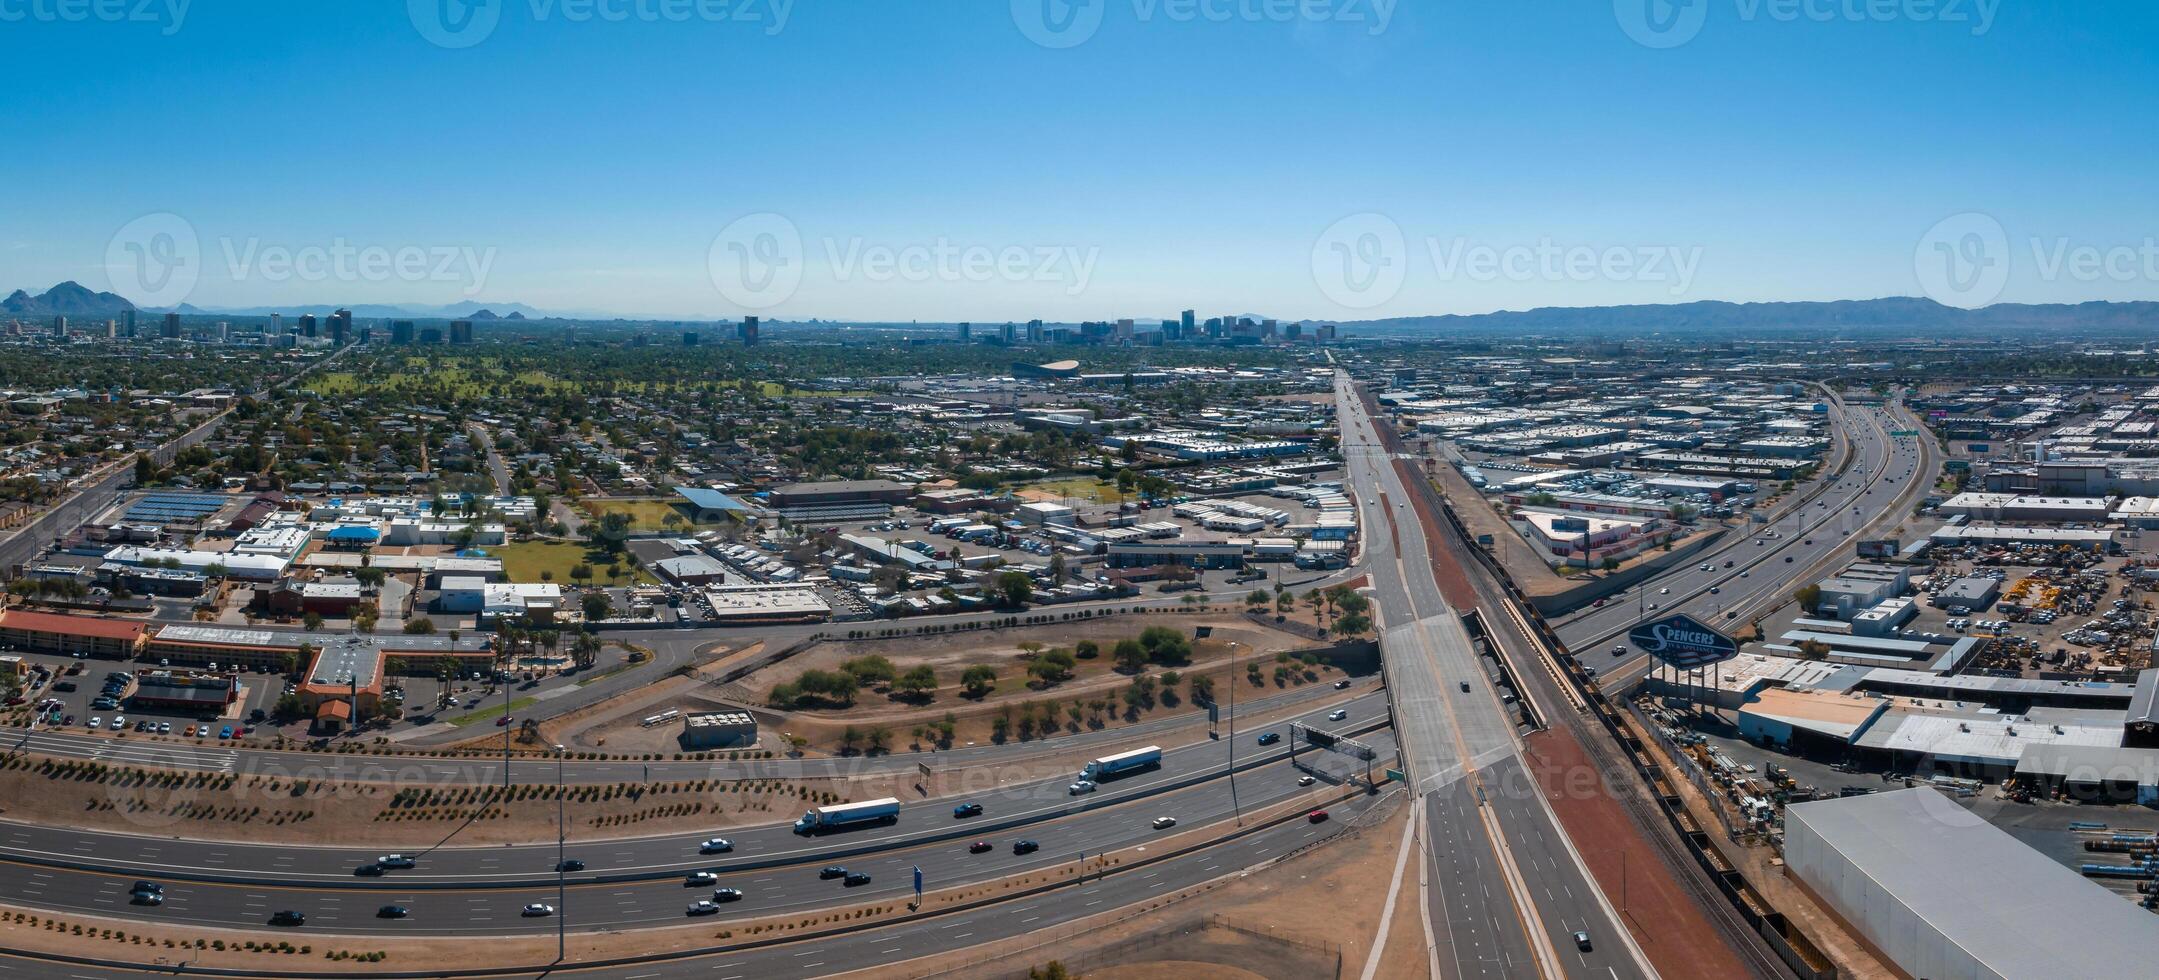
(2017, 507)
(1975, 594)
(741, 604)
(838, 500)
(1940, 893)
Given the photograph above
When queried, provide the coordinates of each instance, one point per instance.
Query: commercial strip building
(117, 639)
(1940, 893)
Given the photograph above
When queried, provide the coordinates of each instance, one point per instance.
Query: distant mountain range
(382, 311)
(1896, 313)
(1887, 315)
(66, 299)
(75, 299)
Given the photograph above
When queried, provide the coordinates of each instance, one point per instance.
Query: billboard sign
(1683, 642)
(1880, 548)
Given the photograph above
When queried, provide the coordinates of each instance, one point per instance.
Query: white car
(1164, 823)
(1080, 786)
(1338, 714)
(96, 722)
(1306, 780)
(538, 910)
(702, 908)
(717, 845)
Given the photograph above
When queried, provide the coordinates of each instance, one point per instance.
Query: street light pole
(1233, 805)
(562, 906)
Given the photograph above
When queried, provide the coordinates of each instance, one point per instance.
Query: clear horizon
(1342, 160)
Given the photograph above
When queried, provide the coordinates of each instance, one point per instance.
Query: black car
(570, 864)
(1025, 847)
(288, 917)
(856, 878)
(369, 870)
(392, 912)
(967, 810)
(832, 871)
(148, 886)
(1270, 738)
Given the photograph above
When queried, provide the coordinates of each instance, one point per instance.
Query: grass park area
(523, 561)
(645, 515)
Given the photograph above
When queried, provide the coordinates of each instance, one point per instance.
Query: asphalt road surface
(1875, 493)
(1464, 759)
(349, 904)
(652, 857)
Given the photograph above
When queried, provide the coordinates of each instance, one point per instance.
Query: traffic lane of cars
(923, 936)
(1831, 525)
(762, 891)
(124, 853)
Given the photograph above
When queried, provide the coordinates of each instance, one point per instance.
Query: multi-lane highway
(481, 891)
(1758, 567)
(1507, 892)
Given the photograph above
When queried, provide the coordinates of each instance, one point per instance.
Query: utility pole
(562, 905)
(1233, 805)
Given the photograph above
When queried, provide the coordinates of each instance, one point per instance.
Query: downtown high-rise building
(170, 329)
(340, 326)
(460, 331)
(748, 331)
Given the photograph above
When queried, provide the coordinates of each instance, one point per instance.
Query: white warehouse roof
(1948, 895)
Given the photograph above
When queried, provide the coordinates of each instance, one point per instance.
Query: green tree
(871, 670)
(1015, 588)
(1130, 655)
(978, 679)
(918, 680)
(419, 626)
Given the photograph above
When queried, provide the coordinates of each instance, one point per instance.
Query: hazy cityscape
(1210, 490)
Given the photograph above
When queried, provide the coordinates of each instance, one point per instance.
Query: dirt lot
(1095, 688)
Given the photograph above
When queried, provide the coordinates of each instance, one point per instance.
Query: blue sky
(1180, 153)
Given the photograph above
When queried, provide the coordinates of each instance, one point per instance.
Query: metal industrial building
(1942, 894)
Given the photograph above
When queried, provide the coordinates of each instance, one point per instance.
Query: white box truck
(1123, 763)
(824, 818)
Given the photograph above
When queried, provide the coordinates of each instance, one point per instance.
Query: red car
(979, 846)
(500, 722)
(1317, 816)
